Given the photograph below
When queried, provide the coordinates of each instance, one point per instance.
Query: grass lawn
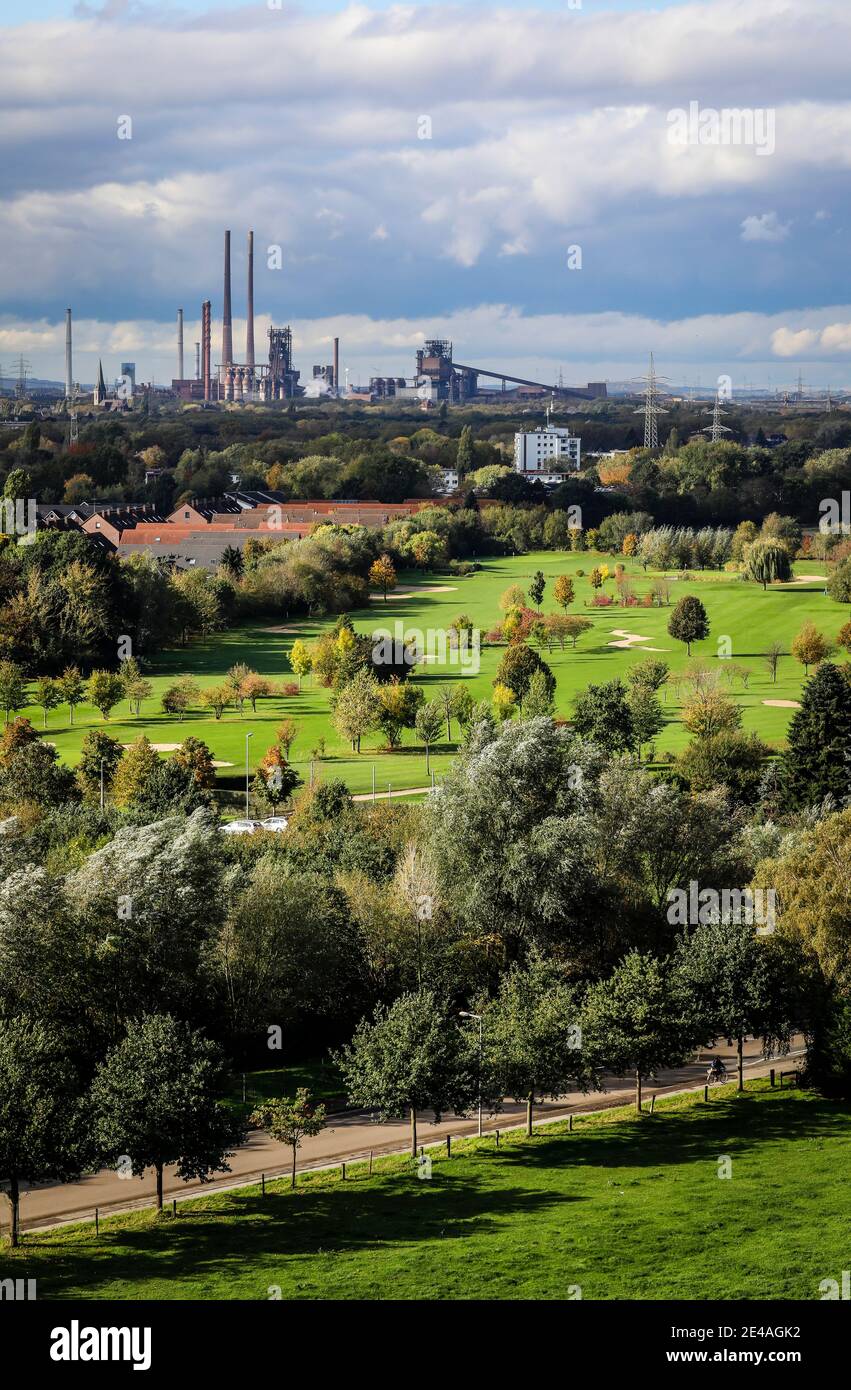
(623, 1208)
(750, 618)
(320, 1076)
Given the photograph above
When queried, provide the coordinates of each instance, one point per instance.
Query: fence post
(373, 781)
(370, 1163)
(497, 1138)
(174, 1206)
(97, 1224)
(570, 1124)
(771, 1076)
(706, 1095)
(652, 1102)
(263, 1183)
(449, 1146)
(343, 1167)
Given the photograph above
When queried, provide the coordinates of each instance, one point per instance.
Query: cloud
(766, 227)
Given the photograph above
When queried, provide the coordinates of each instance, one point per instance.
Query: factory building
(545, 455)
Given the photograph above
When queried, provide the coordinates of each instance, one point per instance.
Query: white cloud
(766, 227)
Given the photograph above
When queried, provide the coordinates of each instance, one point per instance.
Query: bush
(580, 574)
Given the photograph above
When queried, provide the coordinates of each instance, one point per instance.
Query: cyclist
(717, 1071)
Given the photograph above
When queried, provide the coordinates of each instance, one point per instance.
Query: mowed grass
(743, 619)
(622, 1208)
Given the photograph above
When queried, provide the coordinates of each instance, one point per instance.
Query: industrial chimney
(180, 344)
(69, 372)
(337, 365)
(197, 361)
(206, 328)
(249, 320)
(227, 331)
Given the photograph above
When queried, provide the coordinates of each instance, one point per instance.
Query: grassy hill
(622, 1208)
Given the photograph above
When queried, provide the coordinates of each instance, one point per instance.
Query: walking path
(349, 1136)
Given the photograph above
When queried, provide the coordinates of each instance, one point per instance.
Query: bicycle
(716, 1074)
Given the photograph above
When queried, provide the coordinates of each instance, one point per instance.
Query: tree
(133, 684)
(72, 686)
(532, 1037)
(839, 583)
(300, 659)
(727, 759)
(429, 726)
(18, 485)
(649, 675)
(104, 690)
(563, 592)
(410, 1057)
(648, 717)
(809, 646)
(772, 659)
(13, 687)
(445, 697)
(286, 734)
(636, 1020)
(513, 597)
(235, 680)
(539, 702)
(711, 712)
(194, 755)
(843, 637)
(536, 588)
(217, 698)
(818, 749)
(180, 697)
(47, 695)
(504, 702)
(275, 780)
(356, 708)
(767, 562)
(733, 986)
(462, 704)
(596, 577)
(14, 737)
(253, 688)
(41, 1129)
(464, 456)
(602, 713)
(519, 663)
(289, 1121)
(97, 749)
(233, 562)
(573, 627)
(34, 774)
(382, 574)
(154, 1101)
(135, 772)
(688, 623)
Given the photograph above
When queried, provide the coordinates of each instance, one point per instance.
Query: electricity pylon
(651, 409)
(716, 429)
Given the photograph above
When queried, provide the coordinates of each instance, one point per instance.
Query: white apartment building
(546, 454)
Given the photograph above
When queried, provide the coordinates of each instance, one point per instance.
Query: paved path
(349, 1135)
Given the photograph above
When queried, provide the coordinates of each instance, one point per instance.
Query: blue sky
(307, 126)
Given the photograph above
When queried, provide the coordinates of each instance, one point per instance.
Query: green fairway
(748, 618)
(620, 1209)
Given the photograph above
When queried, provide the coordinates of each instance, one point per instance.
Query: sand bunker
(218, 763)
(630, 639)
(783, 704)
(808, 579)
(279, 629)
(402, 590)
(158, 747)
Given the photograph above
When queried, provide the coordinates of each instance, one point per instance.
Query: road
(350, 1135)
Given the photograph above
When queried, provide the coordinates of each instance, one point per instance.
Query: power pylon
(651, 409)
(716, 429)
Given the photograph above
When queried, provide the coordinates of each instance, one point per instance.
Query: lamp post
(249, 735)
(101, 785)
(478, 1019)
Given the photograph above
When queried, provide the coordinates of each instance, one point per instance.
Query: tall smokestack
(180, 344)
(197, 361)
(69, 371)
(249, 320)
(337, 365)
(206, 328)
(227, 331)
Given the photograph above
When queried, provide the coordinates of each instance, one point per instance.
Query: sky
(513, 176)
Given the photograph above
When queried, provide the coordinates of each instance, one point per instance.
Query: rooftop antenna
(651, 408)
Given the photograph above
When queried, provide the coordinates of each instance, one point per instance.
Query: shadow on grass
(690, 1135)
(357, 1216)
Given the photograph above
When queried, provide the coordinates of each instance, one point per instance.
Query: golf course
(744, 620)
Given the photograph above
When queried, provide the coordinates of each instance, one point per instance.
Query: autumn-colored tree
(195, 756)
(809, 646)
(382, 575)
(843, 637)
(286, 734)
(14, 737)
(300, 659)
(563, 591)
(630, 544)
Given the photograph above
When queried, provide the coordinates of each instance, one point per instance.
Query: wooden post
(174, 1206)
(97, 1224)
(343, 1168)
(263, 1183)
(570, 1124)
(740, 1063)
(652, 1102)
(771, 1077)
(449, 1146)
(706, 1095)
(638, 1091)
(497, 1138)
(370, 1163)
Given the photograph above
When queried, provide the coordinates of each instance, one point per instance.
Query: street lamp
(249, 735)
(478, 1019)
(101, 785)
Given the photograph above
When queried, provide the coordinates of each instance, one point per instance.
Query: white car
(276, 823)
(239, 827)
